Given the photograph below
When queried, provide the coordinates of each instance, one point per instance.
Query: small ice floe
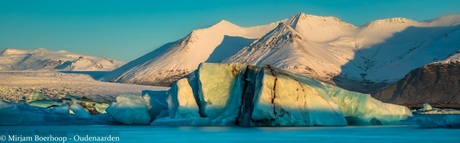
(451, 117)
(428, 109)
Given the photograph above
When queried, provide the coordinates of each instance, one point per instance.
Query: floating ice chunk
(35, 97)
(11, 114)
(129, 109)
(439, 111)
(44, 103)
(100, 107)
(362, 109)
(181, 102)
(24, 114)
(6, 106)
(426, 107)
(79, 111)
(39, 100)
(63, 109)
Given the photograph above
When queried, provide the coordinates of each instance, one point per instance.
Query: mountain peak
(219, 26)
(319, 28)
(44, 59)
(223, 21)
(224, 24)
(302, 18)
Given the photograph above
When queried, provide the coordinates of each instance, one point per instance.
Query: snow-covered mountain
(360, 58)
(174, 60)
(43, 59)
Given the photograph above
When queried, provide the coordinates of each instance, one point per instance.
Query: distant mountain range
(43, 59)
(364, 58)
(396, 60)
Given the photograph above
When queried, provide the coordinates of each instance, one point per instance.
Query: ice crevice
(273, 90)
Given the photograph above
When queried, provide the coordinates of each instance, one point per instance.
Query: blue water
(138, 134)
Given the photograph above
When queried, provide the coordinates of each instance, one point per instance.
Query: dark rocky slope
(437, 83)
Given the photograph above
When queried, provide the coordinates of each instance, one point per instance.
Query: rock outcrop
(437, 83)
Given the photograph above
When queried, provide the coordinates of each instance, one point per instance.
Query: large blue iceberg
(245, 95)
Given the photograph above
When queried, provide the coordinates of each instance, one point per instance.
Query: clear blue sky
(127, 29)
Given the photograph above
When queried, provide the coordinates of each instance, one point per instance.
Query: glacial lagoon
(138, 134)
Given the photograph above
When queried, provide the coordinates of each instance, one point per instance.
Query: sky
(127, 29)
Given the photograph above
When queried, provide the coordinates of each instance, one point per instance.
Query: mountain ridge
(323, 47)
(44, 59)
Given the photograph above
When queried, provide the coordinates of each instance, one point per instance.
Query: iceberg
(24, 114)
(100, 107)
(427, 109)
(245, 95)
(62, 109)
(129, 109)
(36, 97)
(79, 111)
(39, 100)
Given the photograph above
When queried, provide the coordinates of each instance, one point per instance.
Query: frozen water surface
(138, 134)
